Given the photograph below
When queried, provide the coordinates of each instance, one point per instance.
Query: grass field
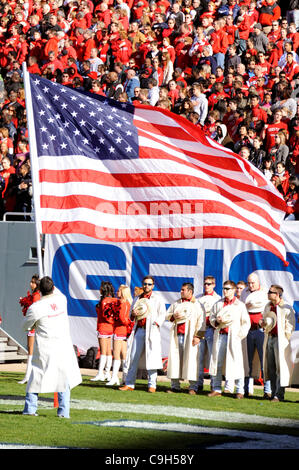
(105, 418)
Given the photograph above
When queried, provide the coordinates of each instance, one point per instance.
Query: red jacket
(122, 321)
(219, 41)
(105, 315)
(268, 14)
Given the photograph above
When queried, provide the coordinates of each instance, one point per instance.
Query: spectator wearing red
(124, 51)
(22, 49)
(66, 79)
(210, 125)
(291, 68)
(219, 73)
(269, 11)
(173, 92)
(7, 171)
(219, 42)
(272, 55)
(85, 9)
(52, 64)
(253, 14)
(170, 31)
(167, 47)
(230, 29)
(33, 65)
(5, 139)
(272, 129)
(67, 52)
(88, 44)
(19, 19)
(211, 13)
(243, 26)
(97, 88)
(292, 198)
(257, 113)
(51, 44)
(293, 36)
(62, 22)
(183, 59)
(218, 94)
(36, 47)
(138, 8)
(281, 178)
(198, 44)
(275, 33)
(263, 63)
(228, 83)
(79, 21)
(104, 14)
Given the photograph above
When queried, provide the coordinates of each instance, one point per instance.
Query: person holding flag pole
(61, 397)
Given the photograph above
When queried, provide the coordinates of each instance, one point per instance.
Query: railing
(25, 215)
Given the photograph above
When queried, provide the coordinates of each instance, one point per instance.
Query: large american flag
(118, 172)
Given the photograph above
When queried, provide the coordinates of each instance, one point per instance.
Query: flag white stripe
(144, 221)
(140, 165)
(154, 117)
(130, 195)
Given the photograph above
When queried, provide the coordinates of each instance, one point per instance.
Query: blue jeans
(220, 57)
(31, 402)
(273, 367)
(255, 340)
(138, 347)
(205, 346)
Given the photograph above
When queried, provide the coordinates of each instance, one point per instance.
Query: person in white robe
(231, 321)
(54, 363)
(279, 323)
(188, 328)
(148, 310)
(207, 299)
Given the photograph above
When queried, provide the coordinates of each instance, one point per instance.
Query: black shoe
(173, 390)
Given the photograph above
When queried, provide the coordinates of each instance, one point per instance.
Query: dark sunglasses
(147, 284)
(208, 283)
(227, 288)
(272, 292)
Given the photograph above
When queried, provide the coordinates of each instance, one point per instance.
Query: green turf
(79, 432)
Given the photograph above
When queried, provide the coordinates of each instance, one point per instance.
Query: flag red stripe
(139, 235)
(147, 152)
(163, 130)
(146, 207)
(275, 200)
(148, 180)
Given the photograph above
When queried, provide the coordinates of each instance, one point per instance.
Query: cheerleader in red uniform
(105, 326)
(25, 302)
(122, 328)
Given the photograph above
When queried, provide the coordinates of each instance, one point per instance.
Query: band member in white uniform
(207, 300)
(148, 310)
(188, 328)
(279, 323)
(231, 322)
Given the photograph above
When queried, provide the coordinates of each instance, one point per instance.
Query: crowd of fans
(229, 66)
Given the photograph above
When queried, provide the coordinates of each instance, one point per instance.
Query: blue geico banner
(78, 264)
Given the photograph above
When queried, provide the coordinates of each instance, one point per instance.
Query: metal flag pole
(34, 166)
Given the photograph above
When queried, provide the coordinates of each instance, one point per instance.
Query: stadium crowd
(229, 66)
